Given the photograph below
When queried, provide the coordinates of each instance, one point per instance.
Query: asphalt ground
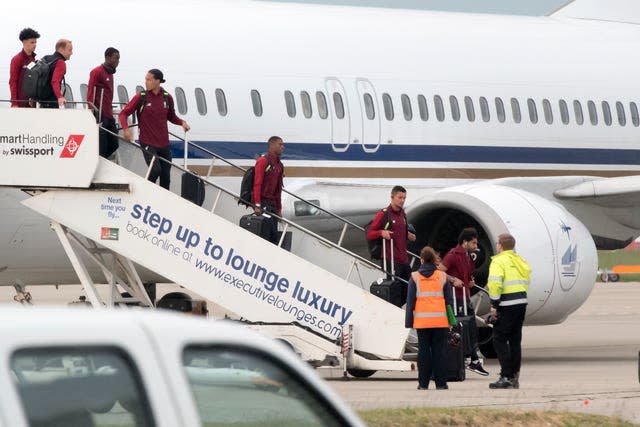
(587, 364)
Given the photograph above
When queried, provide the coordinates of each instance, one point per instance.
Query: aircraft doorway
(340, 117)
(370, 119)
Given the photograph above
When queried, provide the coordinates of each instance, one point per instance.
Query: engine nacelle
(558, 247)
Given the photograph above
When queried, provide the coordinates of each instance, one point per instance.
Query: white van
(77, 367)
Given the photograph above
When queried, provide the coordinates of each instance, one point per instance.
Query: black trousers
(507, 338)
(398, 294)
(431, 345)
(270, 232)
(108, 141)
(160, 168)
(473, 330)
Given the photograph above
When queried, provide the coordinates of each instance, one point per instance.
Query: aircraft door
(369, 114)
(340, 117)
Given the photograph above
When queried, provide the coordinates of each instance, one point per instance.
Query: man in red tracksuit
(267, 186)
(458, 263)
(396, 228)
(26, 56)
(53, 97)
(100, 97)
(154, 107)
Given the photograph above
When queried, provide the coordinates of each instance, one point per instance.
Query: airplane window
(468, 105)
(139, 89)
(181, 101)
(635, 117)
(593, 113)
(533, 111)
(484, 109)
(564, 111)
(322, 105)
(256, 101)
(201, 101)
(406, 107)
(622, 119)
(455, 108)
(339, 106)
(290, 103)
(500, 110)
(83, 91)
(221, 101)
(105, 383)
(577, 109)
(68, 95)
(368, 106)
(306, 104)
(606, 113)
(388, 106)
(123, 95)
(515, 109)
(548, 112)
(437, 101)
(422, 107)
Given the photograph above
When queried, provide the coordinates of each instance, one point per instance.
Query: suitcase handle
(464, 300)
(384, 256)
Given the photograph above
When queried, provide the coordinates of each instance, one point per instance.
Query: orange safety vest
(430, 311)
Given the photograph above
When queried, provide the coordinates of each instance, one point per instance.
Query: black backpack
(168, 102)
(38, 77)
(375, 246)
(246, 186)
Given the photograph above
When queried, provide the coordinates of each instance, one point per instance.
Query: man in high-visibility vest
(509, 276)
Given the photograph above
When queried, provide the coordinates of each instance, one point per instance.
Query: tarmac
(588, 364)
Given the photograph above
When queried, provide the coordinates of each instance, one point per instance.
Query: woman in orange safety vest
(428, 295)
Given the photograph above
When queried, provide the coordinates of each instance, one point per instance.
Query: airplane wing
(623, 11)
(616, 192)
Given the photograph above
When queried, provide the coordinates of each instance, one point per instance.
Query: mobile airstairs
(315, 298)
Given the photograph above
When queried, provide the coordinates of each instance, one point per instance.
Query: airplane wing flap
(612, 192)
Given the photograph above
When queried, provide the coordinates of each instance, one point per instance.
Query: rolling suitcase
(382, 287)
(192, 187)
(454, 356)
(466, 322)
(254, 224)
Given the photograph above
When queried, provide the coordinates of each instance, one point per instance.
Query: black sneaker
(503, 382)
(516, 380)
(423, 388)
(442, 387)
(476, 366)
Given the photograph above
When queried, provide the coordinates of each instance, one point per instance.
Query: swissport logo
(72, 146)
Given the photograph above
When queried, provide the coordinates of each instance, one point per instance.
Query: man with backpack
(19, 64)
(390, 225)
(154, 107)
(267, 187)
(100, 97)
(52, 95)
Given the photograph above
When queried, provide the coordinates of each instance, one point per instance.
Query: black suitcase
(382, 287)
(466, 321)
(454, 369)
(192, 188)
(254, 224)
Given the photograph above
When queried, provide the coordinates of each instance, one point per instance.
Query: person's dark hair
(467, 235)
(398, 189)
(274, 139)
(428, 255)
(507, 241)
(157, 74)
(28, 33)
(110, 51)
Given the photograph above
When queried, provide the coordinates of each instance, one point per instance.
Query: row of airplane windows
(454, 107)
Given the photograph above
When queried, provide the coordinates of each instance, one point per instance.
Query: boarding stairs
(110, 214)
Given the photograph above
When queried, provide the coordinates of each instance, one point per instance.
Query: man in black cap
(154, 107)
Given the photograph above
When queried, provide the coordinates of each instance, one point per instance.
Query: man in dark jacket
(19, 63)
(154, 107)
(390, 224)
(100, 98)
(267, 186)
(53, 97)
(458, 262)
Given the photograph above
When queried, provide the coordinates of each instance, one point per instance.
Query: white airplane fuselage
(366, 98)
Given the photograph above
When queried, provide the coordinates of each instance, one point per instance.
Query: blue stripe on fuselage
(418, 153)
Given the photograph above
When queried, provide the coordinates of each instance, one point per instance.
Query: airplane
(505, 123)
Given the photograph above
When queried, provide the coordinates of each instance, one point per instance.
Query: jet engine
(558, 247)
